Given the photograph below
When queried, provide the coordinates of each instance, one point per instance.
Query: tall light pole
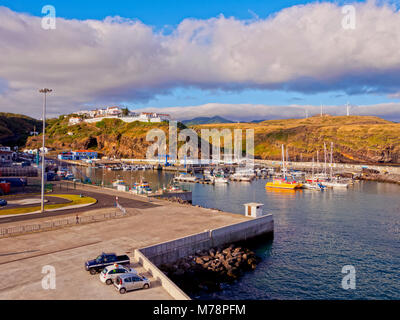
(45, 91)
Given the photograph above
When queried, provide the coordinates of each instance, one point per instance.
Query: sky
(244, 60)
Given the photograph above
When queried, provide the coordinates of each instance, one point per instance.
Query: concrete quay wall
(170, 251)
(336, 166)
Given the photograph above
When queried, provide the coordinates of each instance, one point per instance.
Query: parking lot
(22, 258)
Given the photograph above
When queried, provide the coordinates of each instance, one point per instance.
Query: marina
(312, 228)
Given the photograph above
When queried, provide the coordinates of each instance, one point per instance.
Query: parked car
(127, 282)
(110, 273)
(3, 202)
(105, 260)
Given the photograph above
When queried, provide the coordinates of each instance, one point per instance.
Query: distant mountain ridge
(205, 120)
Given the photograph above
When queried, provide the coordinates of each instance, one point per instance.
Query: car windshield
(104, 271)
(98, 258)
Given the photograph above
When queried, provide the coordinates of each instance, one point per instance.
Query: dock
(153, 222)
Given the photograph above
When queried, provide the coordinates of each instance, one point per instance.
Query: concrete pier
(149, 223)
(170, 251)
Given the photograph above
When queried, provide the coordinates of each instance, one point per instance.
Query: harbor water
(317, 233)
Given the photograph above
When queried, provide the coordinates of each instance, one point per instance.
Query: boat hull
(290, 186)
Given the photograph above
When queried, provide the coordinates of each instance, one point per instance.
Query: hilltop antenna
(348, 108)
(321, 110)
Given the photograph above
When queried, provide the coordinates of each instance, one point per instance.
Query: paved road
(105, 199)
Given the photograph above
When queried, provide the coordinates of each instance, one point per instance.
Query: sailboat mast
(331, 160)
(325, 158)
(283, 161)
(312, 176)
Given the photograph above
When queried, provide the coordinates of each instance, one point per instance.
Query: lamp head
(45, 90)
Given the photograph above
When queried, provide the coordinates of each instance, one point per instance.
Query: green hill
(16, 128)
(111, 137)
(355, 138)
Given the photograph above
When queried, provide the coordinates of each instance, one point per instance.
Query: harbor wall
(170, 251)
(185, 195)
(342, 166)
(173, 290)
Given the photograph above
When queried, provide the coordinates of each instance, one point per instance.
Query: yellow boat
(284, 184)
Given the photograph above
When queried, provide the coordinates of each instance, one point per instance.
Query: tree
(125, 112)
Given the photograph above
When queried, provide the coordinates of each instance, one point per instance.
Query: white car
(128, 282)
(110, 273)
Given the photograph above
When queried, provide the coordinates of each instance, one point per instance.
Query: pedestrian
(77, 219)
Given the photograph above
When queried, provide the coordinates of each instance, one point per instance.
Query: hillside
(111, 137)
(355, 138)
(205, 120)
(15, 128)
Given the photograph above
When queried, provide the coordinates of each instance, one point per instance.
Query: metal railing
(54, 224)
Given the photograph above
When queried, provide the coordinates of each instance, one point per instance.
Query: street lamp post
(45, 91)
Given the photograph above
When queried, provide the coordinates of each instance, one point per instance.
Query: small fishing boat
(118, 182)
(184, 177)
(220, 179)
(141, 188)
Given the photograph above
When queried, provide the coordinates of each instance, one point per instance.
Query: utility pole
(45, 91)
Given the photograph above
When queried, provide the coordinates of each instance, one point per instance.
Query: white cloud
(250, 112)
(301, 48)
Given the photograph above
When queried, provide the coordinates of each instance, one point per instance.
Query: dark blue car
(105, 260)
(3, 203)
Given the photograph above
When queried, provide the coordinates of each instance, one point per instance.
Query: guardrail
(54, 224)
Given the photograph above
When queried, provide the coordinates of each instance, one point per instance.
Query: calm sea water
(316, 234)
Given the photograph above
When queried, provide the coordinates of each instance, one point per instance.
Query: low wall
(185, 196)
(166, 283)
(321, 164)
(173, 250)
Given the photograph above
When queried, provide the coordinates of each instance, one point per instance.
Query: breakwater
(208, 269)
(170, 251)
(153, 257)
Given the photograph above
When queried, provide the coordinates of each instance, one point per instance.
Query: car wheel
(109, 281)
(122, 290)
(93, 271)
(146, 286)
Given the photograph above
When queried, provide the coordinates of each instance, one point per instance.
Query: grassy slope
(355, 138)
(111, 137)
(15, 128)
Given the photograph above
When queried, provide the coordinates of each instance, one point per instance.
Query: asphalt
(105, 199)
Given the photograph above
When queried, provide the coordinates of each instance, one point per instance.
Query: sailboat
(334, 182)
(314, 185)
(283, 183)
